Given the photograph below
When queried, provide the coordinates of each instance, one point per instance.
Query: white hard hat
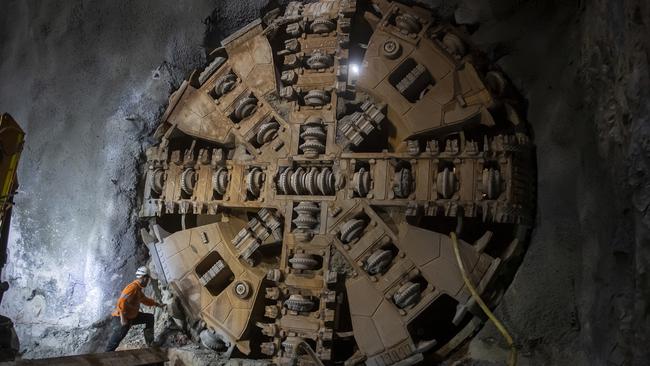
(141, 272)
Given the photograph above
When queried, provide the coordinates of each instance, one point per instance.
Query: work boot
(164, 335)
(148, 337)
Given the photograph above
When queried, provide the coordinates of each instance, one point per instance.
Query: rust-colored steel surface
(305, 183)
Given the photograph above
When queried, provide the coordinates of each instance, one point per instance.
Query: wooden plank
(136, 357)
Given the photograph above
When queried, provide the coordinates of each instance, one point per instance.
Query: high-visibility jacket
(130, 300)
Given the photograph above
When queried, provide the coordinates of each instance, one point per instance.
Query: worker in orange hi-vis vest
(127, 312)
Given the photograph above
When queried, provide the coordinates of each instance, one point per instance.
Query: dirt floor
(88, 81)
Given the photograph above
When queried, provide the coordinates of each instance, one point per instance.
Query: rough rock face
(614, 68)
(88, 82)
(584, 68)
(73, 74)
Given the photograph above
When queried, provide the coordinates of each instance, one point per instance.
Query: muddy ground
(88, 80)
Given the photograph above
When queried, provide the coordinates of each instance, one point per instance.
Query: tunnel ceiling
(306, 181)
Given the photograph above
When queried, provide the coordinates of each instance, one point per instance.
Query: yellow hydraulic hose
(512, 361)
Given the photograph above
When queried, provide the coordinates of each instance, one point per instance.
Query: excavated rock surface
(89, 80)
(580, 294)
